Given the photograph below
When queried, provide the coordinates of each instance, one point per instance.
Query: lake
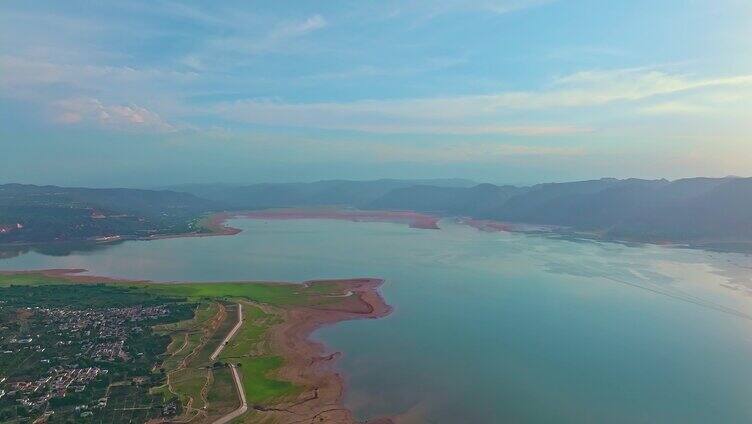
(494, 327)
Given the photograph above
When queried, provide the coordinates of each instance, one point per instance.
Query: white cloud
(278, 37)
(359, 151)
(499, 113)
(466, 152)
(85, 110)
(297, 29)
(105, 96)
(507, 6)
(26, 76)
(21, 69)
(460, 129)
(427, 9)
(595, 87)
(445, 116)
(673, 108)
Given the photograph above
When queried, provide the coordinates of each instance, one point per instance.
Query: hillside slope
(30, 213)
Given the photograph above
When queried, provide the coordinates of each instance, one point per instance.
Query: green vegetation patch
(275, 294)
(251, 333)
(222, 397)
(257, 369)
(259, 386)
(79, 296)
(188, 384)
(30, 278)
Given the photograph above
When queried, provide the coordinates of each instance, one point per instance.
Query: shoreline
(308, 363)
(74, 276)
(485, 225)
(214, 224)
(412, 219)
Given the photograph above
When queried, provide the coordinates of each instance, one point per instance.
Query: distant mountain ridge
(692, 210)
(31, 213)
(328, 192)
(472, 201)
(715, 212)
(695, 210)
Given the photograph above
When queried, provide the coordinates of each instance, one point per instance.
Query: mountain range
(706, 212)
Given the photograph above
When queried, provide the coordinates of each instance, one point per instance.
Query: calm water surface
(493, 327)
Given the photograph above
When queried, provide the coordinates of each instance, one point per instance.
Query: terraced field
(205, 388)
(190, 374)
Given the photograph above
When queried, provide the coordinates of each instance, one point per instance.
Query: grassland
(221, 397)
(276, 294)
(30, 279)
(249, 351)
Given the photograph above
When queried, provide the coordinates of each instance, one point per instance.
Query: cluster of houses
(59, 381)
(105, 323)
(60, 343)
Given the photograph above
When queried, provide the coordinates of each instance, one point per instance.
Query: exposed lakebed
(494, 327)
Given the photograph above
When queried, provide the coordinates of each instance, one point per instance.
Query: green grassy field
(30, 279)
(257, 367)
(222, 396)
(277, 294)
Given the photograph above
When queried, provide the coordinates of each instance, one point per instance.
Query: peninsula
(199, 353)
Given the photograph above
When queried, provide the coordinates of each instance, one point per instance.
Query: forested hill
(30, 213)
(713, 212)
(695, 210)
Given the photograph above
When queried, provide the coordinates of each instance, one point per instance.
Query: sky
(151, 93)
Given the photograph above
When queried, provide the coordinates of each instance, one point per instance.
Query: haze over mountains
(329, 192)
(710, 212)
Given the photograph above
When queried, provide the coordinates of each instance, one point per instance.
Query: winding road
(235, 374)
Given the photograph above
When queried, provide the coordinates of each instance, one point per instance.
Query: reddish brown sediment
(413, 219)
(212, 225)
(308, 364)
(486, 225)
(215, 223)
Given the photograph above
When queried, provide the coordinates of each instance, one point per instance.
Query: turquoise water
(493, 327)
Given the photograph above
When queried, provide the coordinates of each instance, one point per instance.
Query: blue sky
(515, 91)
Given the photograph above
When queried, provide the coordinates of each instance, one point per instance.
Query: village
(56, 355)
